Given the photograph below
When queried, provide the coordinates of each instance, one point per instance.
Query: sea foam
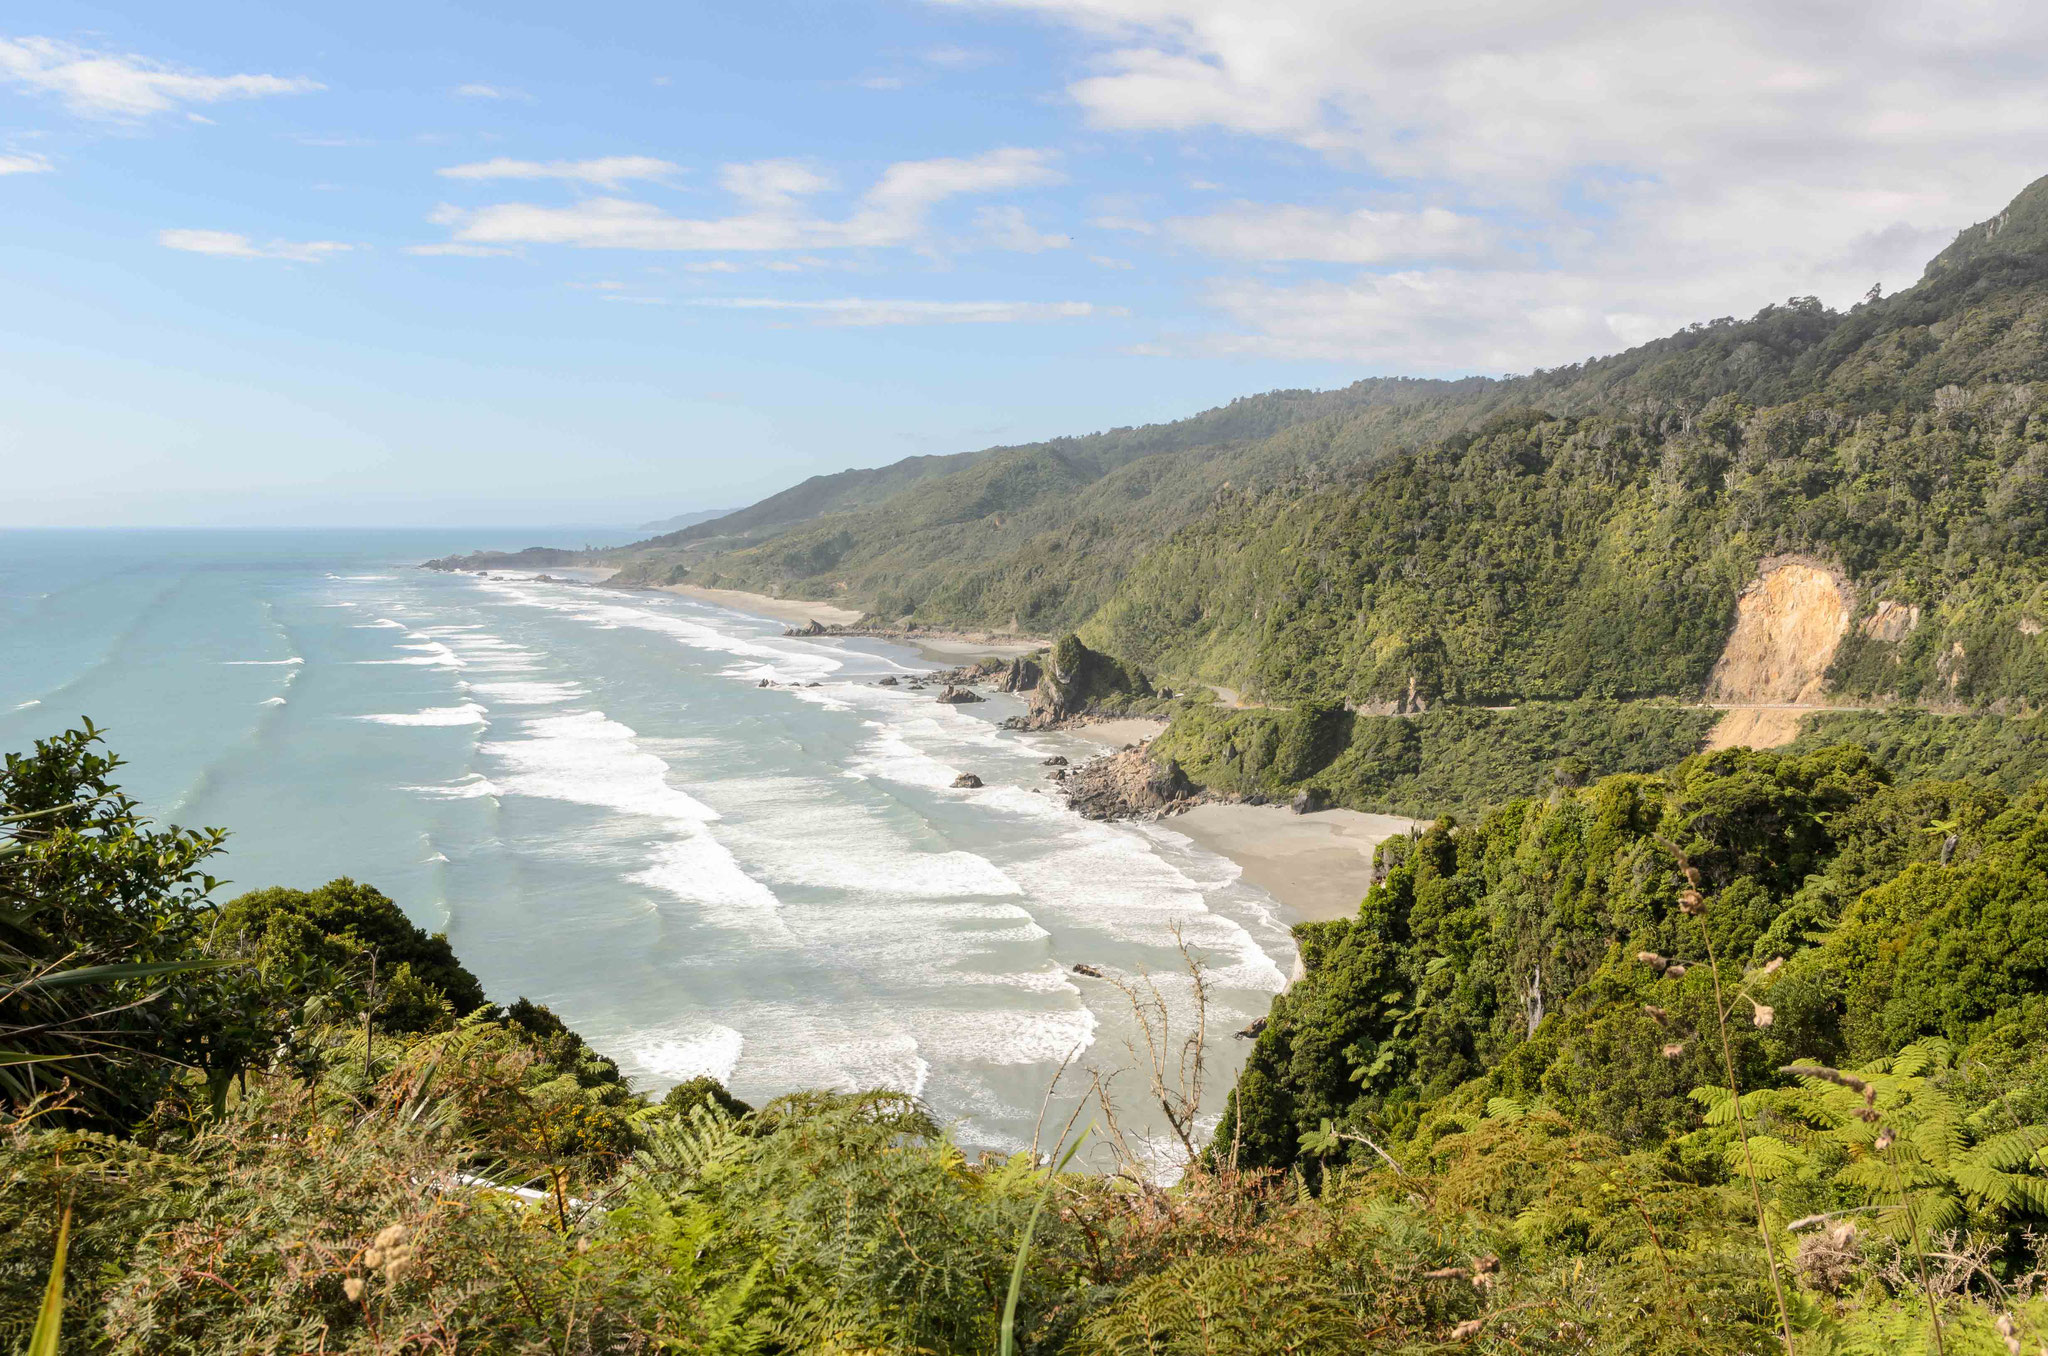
(469, 713)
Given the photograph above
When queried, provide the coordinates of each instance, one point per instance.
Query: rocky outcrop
(1023, 675)
(1057, 760)
(967, 781)
(1787, 626)
(532, 558)
(813, 627)
(1077, 680)
(1127, 785)
(959, 696)
(886, 681)
(1890, 621)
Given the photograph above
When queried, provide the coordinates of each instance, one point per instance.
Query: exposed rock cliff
(1787, 626)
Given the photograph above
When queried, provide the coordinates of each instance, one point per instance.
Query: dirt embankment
(1773, 670)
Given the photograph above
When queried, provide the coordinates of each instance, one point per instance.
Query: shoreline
(1114, 734)
(1317, 866)
(794, 611)
(939, 646)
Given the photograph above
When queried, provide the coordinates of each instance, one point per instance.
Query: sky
(268, 264)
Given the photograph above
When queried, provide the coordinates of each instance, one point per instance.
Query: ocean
(591, 794)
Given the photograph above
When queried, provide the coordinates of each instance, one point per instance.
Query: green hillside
(1592, 541)
(1036, 535)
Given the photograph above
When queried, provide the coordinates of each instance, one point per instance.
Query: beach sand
(794, 611)
(964, 649)
(1317, 866)
(1114, 734)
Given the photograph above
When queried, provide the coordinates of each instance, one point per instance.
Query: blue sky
(438, 263)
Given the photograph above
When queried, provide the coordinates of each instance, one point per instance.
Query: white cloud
(1652, 160)
(860, 311)
(1281, 231)
(606, 171)
(24, 162)
(1135, 225)
(230, 245)
(774, 215)
(958, 58)
(1447, 320)
(124, 86)
(457, 249)
(1106, 261)
(1007, 228)
(478, 91)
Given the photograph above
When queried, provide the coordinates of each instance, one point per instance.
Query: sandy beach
(961, 649)
(794, 611)
(1114, 734)
(1317, 866)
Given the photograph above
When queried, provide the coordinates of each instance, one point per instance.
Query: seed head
(1467, 1330)
(1653, 960)
(1675, 1050)
(1884, 1139)
(1772, 965)
(1691, 903)
(1835, 1076)
(1674, 972)
(353, 1288)
(1657, 1014)
(1763, 1015)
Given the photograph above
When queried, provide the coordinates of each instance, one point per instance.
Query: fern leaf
(2010, 1151)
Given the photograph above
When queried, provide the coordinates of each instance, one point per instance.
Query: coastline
(1317, 866)
(941, 647)
(1113, 735)
(794, 611)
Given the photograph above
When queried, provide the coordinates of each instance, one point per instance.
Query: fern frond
(2010, 1151)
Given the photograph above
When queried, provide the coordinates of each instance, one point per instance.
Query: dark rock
(813, 627)
(1126, 785)
(1022, 675)
(765, 683)
(1258, 1025)
(1057, 760)
(1084, 968)
(889, 681)
(810, 685)
(967, 781)
(959, 696)
(1310, 799)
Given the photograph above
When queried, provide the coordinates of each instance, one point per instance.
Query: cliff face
(1788, 624)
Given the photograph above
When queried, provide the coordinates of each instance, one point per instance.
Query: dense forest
(1579, 533)
(1744, 1055)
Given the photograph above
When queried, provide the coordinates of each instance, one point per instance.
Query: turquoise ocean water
(591, 794)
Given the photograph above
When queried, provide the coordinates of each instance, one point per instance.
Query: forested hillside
(1593, 541)
(1743, 1056)
(1578, 533)
(1038, 534)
